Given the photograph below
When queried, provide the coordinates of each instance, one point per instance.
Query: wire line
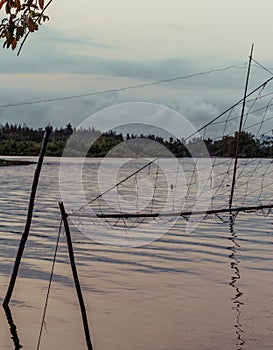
(129, 87)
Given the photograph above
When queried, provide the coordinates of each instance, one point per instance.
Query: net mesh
(165, 188)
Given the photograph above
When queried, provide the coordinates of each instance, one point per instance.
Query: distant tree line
(21, 140)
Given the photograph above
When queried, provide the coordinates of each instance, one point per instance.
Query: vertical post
(239, 134)
(75, 276)
(29, 216)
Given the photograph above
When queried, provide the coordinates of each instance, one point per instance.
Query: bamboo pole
(75, 276)
(239, 133)
(24, 237)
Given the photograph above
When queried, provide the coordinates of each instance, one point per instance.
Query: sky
(89, 47)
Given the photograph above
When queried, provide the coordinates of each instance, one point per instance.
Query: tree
(248, 146)
(22, 17)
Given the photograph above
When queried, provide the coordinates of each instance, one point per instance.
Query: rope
(49, 285)
(227, 110)
(117, 184)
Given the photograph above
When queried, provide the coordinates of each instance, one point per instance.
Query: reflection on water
(235, 277)
(13, 329)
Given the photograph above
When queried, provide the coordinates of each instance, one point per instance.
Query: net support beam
(172, 214)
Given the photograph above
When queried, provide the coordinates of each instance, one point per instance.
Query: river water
(202, 290)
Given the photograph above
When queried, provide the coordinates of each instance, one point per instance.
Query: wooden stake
(75, 276)
(29, 217)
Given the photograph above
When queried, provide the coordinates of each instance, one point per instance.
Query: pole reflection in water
(237, 301)
(13, 329)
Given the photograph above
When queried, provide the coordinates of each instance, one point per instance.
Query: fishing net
(195, 187)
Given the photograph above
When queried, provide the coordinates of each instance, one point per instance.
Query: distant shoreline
(5, 162)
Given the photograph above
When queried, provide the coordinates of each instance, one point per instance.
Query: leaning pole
(25, 234)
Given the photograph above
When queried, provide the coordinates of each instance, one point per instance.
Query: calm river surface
(204, 290)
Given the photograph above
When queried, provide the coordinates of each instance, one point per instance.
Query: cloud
(54, 36)
(54, 65)
(51, 50)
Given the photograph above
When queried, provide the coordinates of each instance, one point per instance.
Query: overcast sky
(91, 46)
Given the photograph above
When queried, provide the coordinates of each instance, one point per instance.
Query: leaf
(19, 33)
(2, 3)
(18, 4)
(32, 26)
(8, 7)
(13, 44)
(41, 4)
